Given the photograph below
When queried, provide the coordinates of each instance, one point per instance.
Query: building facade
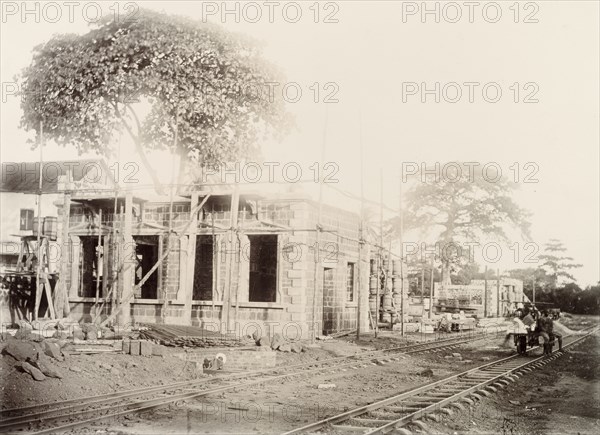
(491, 298)
(258, 271)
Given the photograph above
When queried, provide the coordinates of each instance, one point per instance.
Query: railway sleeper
(346, 428)
(452, 390)
(477, 395)
(404, 409)
(447, 411)
(480, 379)
(435, 397)
(496, 371)
(423, 404)
(457, 405)
(421, 425)
(434, 416)
(463, 385)
(369, 422)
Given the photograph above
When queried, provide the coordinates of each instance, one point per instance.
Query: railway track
(396, 412)
(57, 417)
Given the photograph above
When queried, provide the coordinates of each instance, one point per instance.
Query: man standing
(543, 328)
(551, 333)
(546, 331)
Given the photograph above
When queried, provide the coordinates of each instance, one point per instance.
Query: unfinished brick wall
(292, 309)
(338, 246)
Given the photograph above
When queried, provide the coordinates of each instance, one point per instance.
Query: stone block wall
(292, 311)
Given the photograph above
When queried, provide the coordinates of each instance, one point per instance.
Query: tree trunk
(181, 175)
(446, 274)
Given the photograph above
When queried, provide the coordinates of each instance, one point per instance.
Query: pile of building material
(278, 342)
(142, 348)
(34, 358)
(188, 336)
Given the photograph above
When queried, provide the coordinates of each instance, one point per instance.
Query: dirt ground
(569, 386)
(562, 398)
(279, 406)
(87, 375)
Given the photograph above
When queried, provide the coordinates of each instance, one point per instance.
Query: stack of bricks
(142, 348)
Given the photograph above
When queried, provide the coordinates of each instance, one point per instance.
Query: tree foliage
(206, 89)
(557, 265)
(462, 207)
(551, 282)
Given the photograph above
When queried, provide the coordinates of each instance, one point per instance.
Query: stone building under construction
(282, 263)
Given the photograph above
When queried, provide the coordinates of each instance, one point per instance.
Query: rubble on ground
(277, 342)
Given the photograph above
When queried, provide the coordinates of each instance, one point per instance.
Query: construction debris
(187, 336)
(34, 372)
(277, 341)
(22, 350)
(46, 369)
(427, 372)
(326, 386)
(52, 350)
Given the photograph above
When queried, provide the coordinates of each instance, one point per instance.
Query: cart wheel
(522, 345)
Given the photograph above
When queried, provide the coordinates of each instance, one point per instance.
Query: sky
(374, 63)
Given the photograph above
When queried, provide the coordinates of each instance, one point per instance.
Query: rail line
(393, 413)
(131, 401)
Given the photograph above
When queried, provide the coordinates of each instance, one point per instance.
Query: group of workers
(543, 325)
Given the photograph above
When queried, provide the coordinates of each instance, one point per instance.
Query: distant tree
(529, 276)
(464, 275)
(557, 265)
(472, 271)
(206, 89)
(464, 207)
(551, 286)
(588, 301)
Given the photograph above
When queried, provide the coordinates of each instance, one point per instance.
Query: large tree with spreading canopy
(462, 206)
(205, 91)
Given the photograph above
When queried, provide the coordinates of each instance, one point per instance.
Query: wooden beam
(126, 291)
(62, 293)
(191, 256)
(148, 274)
(38, 292)
(235, 201)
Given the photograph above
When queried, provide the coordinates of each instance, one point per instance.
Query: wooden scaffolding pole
(62, 293)
(316, 282)
(380, 252)
(239, 254)
(485, 292)
(497, 292)
(125, 300)
(38, 292)
(98, 248)
(400, 211)
(127, 291)
(227, 300)
(115, 260)
(360, 235)
(422, 283)
(431, 289)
